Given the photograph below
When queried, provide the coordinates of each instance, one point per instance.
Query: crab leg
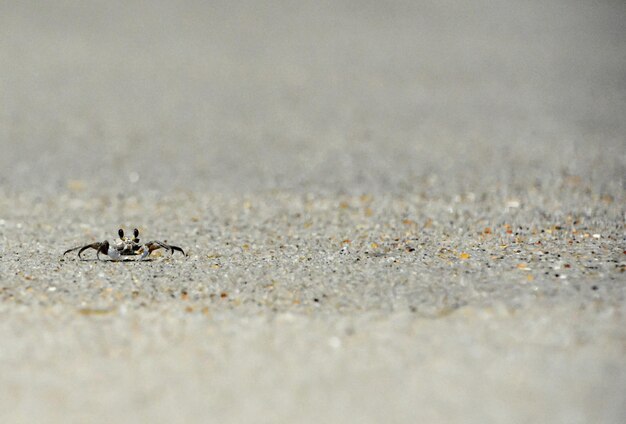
(102, 247)
(155, 245)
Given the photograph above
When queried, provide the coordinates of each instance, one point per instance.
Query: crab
(125, 247)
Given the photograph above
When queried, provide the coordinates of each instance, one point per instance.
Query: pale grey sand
(400, 212)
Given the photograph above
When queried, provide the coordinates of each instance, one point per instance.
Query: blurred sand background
(394, 211)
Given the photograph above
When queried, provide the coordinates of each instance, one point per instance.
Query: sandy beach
(401, 212)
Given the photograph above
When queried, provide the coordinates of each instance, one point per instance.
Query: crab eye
(136, 232)
(120, 232)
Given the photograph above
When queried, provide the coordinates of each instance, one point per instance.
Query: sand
(409, 212)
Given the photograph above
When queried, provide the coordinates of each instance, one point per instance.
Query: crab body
(125, 247)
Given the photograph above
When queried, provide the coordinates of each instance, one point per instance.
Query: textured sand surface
(399, 212)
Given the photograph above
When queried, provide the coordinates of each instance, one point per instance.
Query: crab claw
(112, 253)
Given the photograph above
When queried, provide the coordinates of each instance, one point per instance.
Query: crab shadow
(113, 260)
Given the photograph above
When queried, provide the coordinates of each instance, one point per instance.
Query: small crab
(125, 247)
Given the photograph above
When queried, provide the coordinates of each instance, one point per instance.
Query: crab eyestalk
(136, 234)
(120, 233)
